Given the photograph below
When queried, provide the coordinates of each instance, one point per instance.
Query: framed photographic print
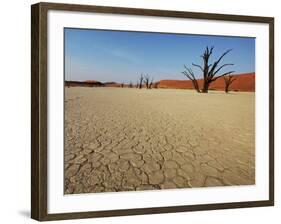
(139, 111)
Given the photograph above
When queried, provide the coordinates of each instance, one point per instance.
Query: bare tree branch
(198, 67)
(211, 72)
(224, 74)
(190, 75)
(221, 68)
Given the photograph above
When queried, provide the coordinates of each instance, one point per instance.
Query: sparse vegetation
(148, 81)
(151, 83)
(190, 75)
(210, 71)
(228, 80)
(140, 81)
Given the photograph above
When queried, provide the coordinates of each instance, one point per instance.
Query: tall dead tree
(210, 71)
(190, 75)
(228, 80)
(140, 81)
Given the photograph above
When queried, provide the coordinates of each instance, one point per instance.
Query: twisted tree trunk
(205, 87)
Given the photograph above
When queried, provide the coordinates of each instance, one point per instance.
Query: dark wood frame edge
(39, 110)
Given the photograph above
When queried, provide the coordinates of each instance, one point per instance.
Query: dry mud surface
(121, 139)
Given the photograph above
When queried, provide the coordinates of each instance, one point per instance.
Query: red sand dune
(244, 82)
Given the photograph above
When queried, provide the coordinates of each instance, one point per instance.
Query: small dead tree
(131, 84)
(228, 80)
(190, 75)
(151, 83)
(211, 70)
(140, 81)
(122, 85)
(148, 82)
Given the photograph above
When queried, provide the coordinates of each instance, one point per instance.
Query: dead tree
(140, 81)
(122, 85)
(151, 83)
(190, 75)
(228, 80)
(131, 84)
(148, 83)
(211, 70)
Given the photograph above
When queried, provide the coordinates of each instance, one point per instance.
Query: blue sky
(122, 56)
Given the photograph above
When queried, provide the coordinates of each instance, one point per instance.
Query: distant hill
(112, 84)
(87, 83)
(93, 83)
(244, 82)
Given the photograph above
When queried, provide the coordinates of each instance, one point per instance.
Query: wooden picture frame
(39, 109)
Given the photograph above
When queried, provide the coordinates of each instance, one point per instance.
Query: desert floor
(121, 139)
